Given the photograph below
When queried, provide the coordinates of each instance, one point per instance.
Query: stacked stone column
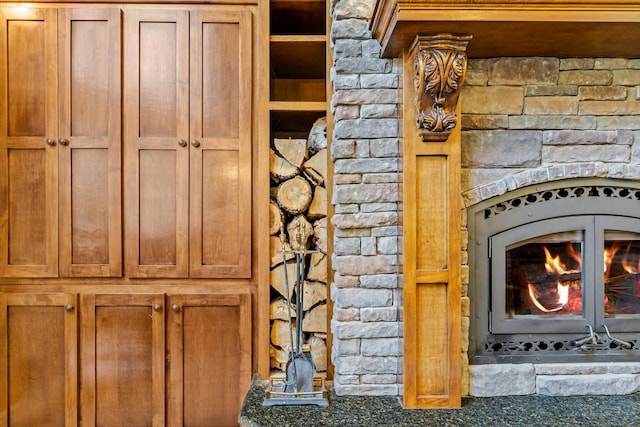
(365, 149)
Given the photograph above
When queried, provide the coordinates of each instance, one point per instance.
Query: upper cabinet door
(156, 117)
(220, 188)
(28, 143)
(89, 142)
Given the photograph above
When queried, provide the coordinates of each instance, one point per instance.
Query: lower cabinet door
(209, 347)
(38, 360)
(123, 365)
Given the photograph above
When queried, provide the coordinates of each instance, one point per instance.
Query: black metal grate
(561, 193)
(513, 348)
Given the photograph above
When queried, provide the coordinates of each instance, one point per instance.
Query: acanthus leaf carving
(440, 64)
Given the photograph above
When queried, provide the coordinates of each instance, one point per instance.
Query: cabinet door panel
(123, 360)
(28, 165)
(210, 352)
(156, 130)
(38, 368)
(221, 161)
(89, 163)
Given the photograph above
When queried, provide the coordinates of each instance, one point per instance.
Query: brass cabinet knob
(50, 142)
(182, 143)
(175, 308)
(63, 141)
(68, 307)
(195, 143)
(157, 307)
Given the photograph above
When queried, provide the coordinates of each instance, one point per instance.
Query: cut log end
(294, 195)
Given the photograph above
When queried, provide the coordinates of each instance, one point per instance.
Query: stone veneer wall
(533, 120)
(365, 150)
(525, 121)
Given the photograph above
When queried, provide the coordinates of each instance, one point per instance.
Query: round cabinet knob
(63, 141)
(175, 308)
(50, 142)
(195, 143)
(157, 307)
(68, 307)
(182, 143)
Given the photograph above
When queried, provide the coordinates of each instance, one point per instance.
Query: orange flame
(554, 265)
(627, 265)
(609, 253)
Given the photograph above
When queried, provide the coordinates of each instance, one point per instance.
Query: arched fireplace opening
(555, 273)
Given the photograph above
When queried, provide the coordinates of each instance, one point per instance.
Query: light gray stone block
(589, 384)
(502, 380)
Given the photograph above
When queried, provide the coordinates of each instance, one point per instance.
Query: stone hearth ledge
(530, 410)
(554, 379)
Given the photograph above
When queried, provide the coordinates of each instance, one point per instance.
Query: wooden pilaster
(434, 71)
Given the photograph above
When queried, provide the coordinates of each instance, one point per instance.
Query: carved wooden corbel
(440, 65)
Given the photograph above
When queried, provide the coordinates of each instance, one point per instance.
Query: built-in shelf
(298, 17)
(294, 123)
(298, 68)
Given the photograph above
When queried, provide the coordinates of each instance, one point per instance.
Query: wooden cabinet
(131, 347)
(207, 353)
(188, 132)
(123, 360)
(38, 360)
(60, 190)
(142, 114)
(209, 348)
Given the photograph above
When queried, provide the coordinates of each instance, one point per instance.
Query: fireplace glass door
(564, 275)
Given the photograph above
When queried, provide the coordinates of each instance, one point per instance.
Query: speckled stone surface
(534, 410)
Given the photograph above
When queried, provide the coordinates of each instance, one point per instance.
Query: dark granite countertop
(596, 411)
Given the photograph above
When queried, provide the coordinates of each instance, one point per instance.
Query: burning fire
(563, 298)
(610, 253)
(622, 281)
(554, 266)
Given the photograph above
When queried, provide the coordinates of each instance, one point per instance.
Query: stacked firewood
(298, 209)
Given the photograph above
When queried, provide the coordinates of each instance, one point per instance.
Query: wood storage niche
(298, 166)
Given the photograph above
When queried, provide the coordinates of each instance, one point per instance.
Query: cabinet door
(220, 205)
(28, 164)
(89, 142)
(156, 116)
(38, 360)
(122, 379)
(209, 348)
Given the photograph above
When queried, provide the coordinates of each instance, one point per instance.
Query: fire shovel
(300, 368)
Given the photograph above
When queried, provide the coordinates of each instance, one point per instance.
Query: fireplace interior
(556, 274)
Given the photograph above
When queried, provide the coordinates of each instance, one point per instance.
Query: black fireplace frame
(588, 204)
